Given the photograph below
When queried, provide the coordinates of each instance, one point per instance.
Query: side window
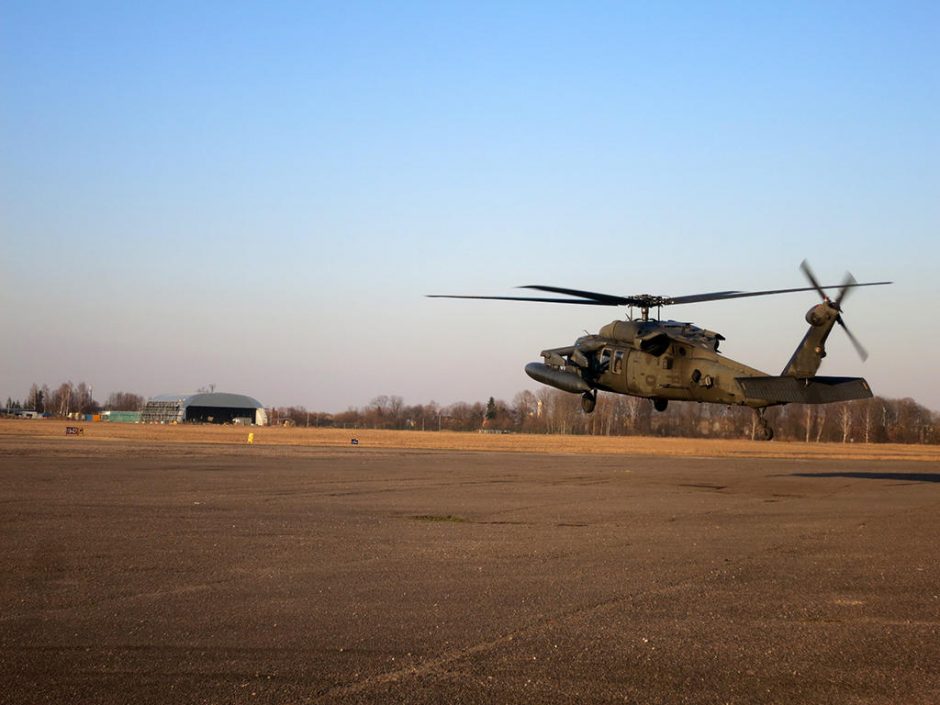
(667, 363)
(605, 358)
(618, 362)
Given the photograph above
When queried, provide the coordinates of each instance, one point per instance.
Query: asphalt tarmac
(190, 575)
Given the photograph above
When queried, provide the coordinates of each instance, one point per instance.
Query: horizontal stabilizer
(805, 390)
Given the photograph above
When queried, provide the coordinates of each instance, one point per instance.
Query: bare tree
(124, 401)
(845, 420)
(34, 400)
(525, 410)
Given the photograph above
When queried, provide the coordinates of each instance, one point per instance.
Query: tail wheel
(764, 431)
(660, 404)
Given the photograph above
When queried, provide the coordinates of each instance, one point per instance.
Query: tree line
(69, 398)
(876, 420)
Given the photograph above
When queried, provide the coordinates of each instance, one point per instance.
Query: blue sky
(259, 195)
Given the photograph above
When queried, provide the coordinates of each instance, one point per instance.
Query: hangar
(210, 407)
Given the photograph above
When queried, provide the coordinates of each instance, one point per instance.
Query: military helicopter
(674, 361)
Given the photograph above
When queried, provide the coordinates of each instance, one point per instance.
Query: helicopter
(666, 360)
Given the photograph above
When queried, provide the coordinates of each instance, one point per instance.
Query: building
(212, 407)
(121, 416)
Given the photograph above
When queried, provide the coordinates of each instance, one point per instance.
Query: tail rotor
(836, 304)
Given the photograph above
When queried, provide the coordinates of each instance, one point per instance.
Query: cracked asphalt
(197, 575)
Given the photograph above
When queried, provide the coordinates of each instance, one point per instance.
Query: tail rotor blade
(859, 348)
(804, 265)
(847, 284)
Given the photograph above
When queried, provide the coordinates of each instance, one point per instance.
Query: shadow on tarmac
(904, 476)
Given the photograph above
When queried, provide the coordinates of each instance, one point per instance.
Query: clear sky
(258, 195)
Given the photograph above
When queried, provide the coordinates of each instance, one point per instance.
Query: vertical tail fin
(812, 349)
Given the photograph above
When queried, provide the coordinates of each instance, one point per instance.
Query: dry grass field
(52, 433)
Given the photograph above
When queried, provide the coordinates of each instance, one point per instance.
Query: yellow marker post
(251, 439)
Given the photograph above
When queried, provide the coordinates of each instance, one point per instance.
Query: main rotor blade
(859, 348)
(605, 299)
(696, 298)
(585, 302)
(719, 296)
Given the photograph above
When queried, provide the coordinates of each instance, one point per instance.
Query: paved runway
(361, 576)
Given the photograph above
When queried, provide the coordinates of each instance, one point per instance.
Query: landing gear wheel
(660, 404)
(763, 432)
(588, 401)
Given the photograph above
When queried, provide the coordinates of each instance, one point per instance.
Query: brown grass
(14, 430)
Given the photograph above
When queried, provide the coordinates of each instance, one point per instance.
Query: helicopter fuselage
(666, 360)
